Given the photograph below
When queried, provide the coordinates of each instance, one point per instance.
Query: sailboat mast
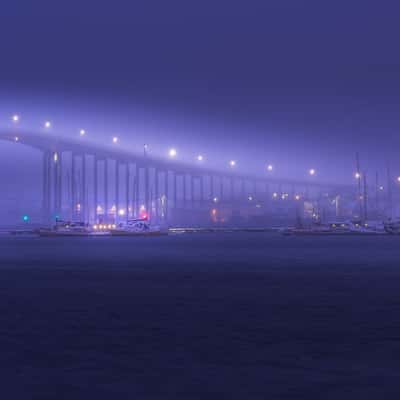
(389, 193)
(365, 196)
(359, 184)
(377, 193)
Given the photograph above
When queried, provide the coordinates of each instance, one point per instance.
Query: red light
(144, 215)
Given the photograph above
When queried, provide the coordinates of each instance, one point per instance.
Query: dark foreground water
(225, 316)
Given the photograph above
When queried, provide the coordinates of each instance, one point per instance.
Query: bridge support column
(166, 195)
(59, 184)
(84, 190)
(127, 180)
(116, 198)
(147, 190)
(73, 186)
(95, 189)
(184, 190)
(191, 177)
(201, 189)
(175, 190)
(56, 162)
(156, 194)
(106, 210)
(46, 196)
(137, 183)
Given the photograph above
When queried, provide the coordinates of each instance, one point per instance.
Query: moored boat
(63, 228)
(137, 227)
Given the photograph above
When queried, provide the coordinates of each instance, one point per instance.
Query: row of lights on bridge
(173, 152)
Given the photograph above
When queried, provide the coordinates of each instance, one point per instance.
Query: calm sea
(200, 316)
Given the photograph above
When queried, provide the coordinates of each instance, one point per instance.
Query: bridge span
(92, 182)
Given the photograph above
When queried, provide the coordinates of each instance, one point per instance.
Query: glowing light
(82, 132)
(398, 179)
(381, 187)
(47, 124)
(200, 157)
(115, 139)
(113, 226)
(16, 138)
(99, 209)
(357, 175)
(121, 212)
(297, 197)
(55, 157)
(214, 211)
(172, 153)
(232, 163)
(95, 227)
(15, 118)
(250, 198)
(215, 199)
(78, 207)
(25, 218)
(270, 167)
(142, 207)
(311, 171)
(113, 208)
(274, 195)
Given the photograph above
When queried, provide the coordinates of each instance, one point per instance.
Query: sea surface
(200, 316)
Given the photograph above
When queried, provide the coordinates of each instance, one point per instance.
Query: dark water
(226, 316)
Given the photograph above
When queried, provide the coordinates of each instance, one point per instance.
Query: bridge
(91, 182)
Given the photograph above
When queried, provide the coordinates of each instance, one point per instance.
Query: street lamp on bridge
(172, 153)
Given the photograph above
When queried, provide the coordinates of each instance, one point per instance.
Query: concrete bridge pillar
(137, 190)
(95, 188)
(156, 194)
(46, 194)
(184, 190)
(127, 192)
(84, 205)
(201, 178)
(147, 190)
(106, 197)
(117, 205)
(166, 194)
(175, 190)
(191, 177)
